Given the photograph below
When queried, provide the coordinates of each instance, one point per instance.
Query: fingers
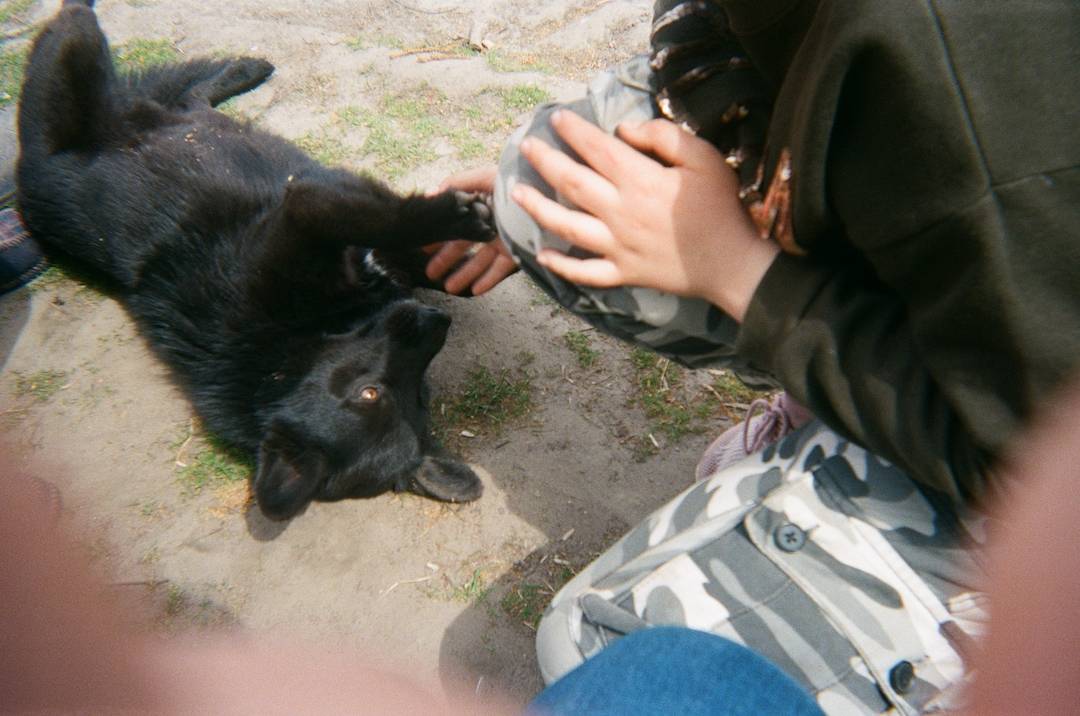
(580, 184)
(581, 229)
(447, 255)
(480, 179)
(609, 156)
(484, 270)
(668, 142)
(500, 268)
(599, 273)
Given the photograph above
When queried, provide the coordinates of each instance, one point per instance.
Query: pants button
(901, 677)
(789, 537)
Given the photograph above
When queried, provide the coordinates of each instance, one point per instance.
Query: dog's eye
(369, 394)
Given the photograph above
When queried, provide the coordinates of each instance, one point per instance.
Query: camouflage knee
(859, 583)
(690, 331)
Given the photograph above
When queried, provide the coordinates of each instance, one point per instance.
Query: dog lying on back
(277, 290)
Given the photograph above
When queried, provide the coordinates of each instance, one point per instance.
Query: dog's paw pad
(476, 215)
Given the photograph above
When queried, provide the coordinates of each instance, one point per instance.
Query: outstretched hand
(470, 265)
(657, 206)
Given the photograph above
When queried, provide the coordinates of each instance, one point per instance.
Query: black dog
(277, 290)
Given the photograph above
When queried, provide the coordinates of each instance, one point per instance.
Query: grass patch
(402, 130)
(323, 148)
(141, 54)
(65, 270)
(49, 278)
(12, 65)
(230, 108)
(13, 8)
(526, 603)
(358, 43)
(657, 380)
(468, 145)
(508, 63)
(521, 98)
(536, 580)
(487, 399)
(733, 390)
(396, 148)
(672, 407)
(472, 590)
(41, 385)
(581, 346)
(216, 465)
(175, 600)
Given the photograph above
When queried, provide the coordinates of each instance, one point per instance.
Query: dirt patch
(577, 436)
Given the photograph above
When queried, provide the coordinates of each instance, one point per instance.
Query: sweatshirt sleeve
(840, 343)
(937, 194)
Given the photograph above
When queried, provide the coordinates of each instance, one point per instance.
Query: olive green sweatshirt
(936, 192)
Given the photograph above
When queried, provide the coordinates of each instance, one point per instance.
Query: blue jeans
(674, 670)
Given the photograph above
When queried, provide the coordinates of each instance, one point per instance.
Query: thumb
(667, 141)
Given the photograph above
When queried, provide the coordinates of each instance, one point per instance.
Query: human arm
(832, 333)
(464, 264)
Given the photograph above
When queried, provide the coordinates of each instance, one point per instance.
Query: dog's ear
(288, 475)
(446, 479)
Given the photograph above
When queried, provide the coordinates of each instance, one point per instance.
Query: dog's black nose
(432, 320)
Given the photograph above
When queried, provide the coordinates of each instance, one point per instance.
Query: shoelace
(775, 422)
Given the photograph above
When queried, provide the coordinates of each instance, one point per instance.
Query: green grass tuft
(141, 54)
(526, 603)
(41, 385)
(487, 399)
(579, 343)
(508, 63)
(363, 41)
(734, 390)
(217, 464)
(521, 98)
(657, 379)
(323, 148)
(13, 8)
(473, 590)
(12, 65)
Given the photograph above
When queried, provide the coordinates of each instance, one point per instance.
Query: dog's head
(357, 424)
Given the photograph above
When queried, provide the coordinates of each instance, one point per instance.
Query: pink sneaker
(779, 417)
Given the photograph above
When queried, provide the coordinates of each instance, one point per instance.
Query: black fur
(247, 265)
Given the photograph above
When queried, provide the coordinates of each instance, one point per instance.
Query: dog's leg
(200, 81)
(329, 215)
(338, 208)
(66, 98)
(450, 215)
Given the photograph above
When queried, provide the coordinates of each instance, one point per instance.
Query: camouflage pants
(690, 331)
(821, 557)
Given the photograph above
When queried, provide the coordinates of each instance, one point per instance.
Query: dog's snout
(433, 320)
(414, 324)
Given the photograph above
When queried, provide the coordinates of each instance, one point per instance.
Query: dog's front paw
(245, 73)
(475, 218)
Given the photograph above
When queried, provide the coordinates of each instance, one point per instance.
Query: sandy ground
(444, 592)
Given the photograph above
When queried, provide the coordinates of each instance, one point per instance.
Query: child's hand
(659, 208)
